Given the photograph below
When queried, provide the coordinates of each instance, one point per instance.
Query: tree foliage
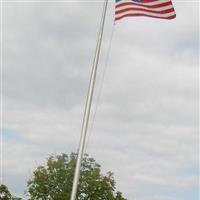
(5, 194)
(53, 181)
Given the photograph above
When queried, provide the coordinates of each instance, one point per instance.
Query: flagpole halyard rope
(88, 106)
(99, 95)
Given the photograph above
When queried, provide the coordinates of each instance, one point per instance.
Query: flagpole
(88, 105)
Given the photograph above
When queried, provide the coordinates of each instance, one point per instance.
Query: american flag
(162, 9)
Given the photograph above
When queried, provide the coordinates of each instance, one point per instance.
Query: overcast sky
(146, 125)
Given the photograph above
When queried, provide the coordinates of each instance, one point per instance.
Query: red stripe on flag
(145, 15)
(145, 10)
(140, 5)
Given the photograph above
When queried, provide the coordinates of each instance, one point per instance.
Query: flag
(162, 9)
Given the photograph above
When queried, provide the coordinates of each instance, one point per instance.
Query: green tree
(5, 194)
(53, 181)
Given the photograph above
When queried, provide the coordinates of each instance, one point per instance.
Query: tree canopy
(53, 181)
(5, 194)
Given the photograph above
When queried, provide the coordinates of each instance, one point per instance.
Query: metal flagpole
(88, 105)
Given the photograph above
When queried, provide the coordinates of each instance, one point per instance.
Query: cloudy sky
(146, 126)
